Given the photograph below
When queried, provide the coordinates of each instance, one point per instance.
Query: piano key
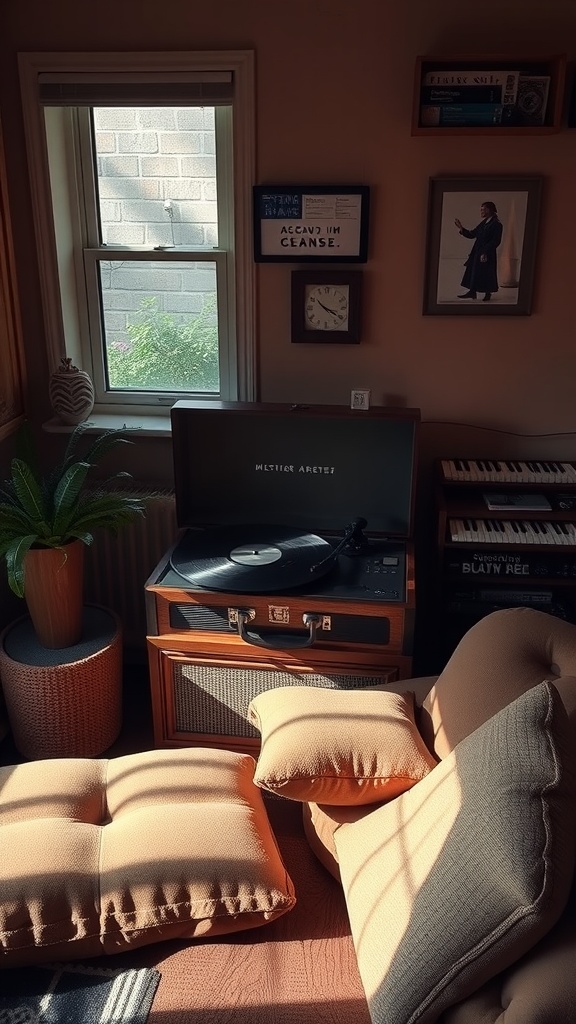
(500, 531)
(550, 536)
(491, 531)
(541, 536)
(533, 534)
(482, 531)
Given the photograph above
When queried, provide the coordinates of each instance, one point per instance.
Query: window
(141, 174)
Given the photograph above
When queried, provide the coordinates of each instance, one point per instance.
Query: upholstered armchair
(450, 822)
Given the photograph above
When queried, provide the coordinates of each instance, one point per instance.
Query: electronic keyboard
(518, 531)
(507, 471)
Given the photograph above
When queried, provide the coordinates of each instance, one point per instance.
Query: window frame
(239, 379)
(117, 398)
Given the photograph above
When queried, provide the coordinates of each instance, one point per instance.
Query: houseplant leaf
(58, 508)
(15, 556)
(66, 496)
(28, 491)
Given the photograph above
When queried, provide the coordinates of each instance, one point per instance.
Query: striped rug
(61, 993)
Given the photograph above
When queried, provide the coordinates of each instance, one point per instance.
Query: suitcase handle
(280, 641)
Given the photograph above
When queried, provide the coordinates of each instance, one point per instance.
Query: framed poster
(311, 223)
(482, 246)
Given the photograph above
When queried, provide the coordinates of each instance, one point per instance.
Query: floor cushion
(98, 856)
(458, 877)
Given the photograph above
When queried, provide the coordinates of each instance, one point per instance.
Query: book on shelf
(464, 114)
(532, 99)
(507, 80)
(517, 500)
(442, 94)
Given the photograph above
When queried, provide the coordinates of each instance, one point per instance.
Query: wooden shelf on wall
(553, 66)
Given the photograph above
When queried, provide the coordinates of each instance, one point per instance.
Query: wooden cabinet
(295, 563)
(539, 78)
(491, 558)
(203, 674)
(11, 352)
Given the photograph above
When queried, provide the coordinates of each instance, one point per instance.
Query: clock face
(326, 307)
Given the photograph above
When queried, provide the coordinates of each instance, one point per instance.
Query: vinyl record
(251, 559)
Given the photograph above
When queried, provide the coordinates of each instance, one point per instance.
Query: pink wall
(334, 85)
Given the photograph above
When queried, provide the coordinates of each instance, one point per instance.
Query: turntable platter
(251, 559)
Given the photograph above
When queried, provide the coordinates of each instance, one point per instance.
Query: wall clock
(326, 306)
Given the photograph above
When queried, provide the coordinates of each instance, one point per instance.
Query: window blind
(68, 89)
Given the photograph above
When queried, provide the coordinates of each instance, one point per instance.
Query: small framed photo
(482, 246)
(326, 306)
(360, 398)
(311, 223)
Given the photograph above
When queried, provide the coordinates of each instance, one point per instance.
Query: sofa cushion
(501, 656)
(344, 747)
(97, 856)
(457, 878)
(539, 989)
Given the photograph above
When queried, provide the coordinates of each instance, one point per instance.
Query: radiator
(118, 565)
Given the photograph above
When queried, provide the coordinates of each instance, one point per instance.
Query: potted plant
(45, 521)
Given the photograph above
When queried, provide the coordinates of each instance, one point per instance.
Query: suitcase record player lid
(308, 467)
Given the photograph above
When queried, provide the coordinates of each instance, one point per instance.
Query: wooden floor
(300, 969)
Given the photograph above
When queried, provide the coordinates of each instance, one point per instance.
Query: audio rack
(506, 536)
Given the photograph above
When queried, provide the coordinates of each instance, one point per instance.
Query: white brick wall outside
(145, 157)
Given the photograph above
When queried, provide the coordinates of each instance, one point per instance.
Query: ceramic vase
(71, 393)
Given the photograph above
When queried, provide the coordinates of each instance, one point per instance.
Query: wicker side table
(65, 702)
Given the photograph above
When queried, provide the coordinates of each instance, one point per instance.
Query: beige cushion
(338, 746)
(501, 656)
(98, 856)
(457, 878)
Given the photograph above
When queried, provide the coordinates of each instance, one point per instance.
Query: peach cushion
(320, 825)
(343, 747)
(97, 856)
(452, 882)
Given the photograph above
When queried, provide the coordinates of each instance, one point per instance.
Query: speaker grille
(215, 700)
(199, 617)
(359, 629)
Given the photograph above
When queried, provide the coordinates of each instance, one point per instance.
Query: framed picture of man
(481, 246)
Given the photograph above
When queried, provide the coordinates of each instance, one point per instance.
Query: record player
(296, 538)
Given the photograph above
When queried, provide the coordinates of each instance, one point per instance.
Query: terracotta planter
(54, 593)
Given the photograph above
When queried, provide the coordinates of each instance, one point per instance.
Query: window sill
(144, 426)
